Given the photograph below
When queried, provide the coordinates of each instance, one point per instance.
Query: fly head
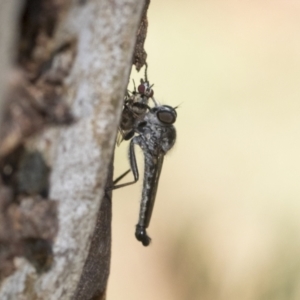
(163, 115)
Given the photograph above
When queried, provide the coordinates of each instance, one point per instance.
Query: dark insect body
(156, 135)
(132, 111)
(135, 108)
(152, 129)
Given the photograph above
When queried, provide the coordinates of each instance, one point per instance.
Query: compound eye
(167, 117)
(144, 89)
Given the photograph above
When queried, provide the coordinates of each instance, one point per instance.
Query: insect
(135, 107)
(156, 135)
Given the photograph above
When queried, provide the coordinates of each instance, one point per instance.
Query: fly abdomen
(142, 236)
(153, 166)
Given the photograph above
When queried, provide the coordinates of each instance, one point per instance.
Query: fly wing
(120, 137)
(151, 180)
(124, 135)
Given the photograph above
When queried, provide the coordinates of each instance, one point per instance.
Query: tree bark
(102, 34)
(9, 11)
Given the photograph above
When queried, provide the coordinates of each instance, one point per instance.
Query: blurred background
(226, 223)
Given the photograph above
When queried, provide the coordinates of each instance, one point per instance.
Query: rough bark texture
(93, 281)
(140, 55)
(8, 15)
(90, 49)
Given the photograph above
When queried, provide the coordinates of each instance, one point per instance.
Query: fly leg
(133, 166)
(120, 177)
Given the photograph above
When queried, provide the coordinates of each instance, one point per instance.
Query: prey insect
(135, 108)
(156, 135)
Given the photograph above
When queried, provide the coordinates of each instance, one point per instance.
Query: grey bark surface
(105, 32)
(93, 281)
(8, 14)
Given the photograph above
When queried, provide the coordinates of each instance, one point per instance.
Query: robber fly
(156, 135)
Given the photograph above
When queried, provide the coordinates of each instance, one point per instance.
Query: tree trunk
(90, 49)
